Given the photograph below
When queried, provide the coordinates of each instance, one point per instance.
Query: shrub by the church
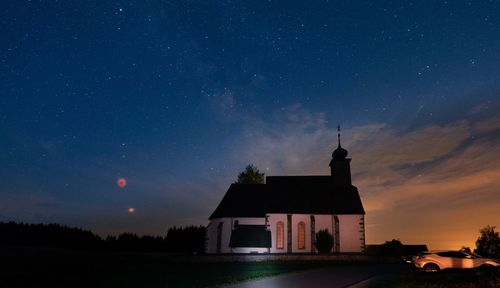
(324, 241)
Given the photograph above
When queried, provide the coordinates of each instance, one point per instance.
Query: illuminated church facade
(284, 214)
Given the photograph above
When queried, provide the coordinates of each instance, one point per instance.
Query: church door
(336, 237)
(289, 233)
(219, 237)
(313, 233)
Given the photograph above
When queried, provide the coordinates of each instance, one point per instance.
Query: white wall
(296, 218)
(351, 233)
(273, 220)
(324, 222)
(350, 229)
(212, 235)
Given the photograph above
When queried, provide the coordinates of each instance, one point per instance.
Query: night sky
(177, 97)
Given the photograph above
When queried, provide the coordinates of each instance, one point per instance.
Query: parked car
(434, 261)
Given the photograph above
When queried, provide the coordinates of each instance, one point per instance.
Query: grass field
(60, 268)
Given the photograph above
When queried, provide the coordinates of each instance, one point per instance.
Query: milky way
(177, 97)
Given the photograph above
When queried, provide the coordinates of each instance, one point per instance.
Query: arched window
(280, 235)
(302, 235)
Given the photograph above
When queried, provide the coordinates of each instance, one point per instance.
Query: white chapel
(284, 214)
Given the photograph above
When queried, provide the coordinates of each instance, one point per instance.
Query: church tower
(340, 165)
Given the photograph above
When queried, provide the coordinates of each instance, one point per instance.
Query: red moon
(122, 182)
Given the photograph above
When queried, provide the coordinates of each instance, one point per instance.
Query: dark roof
(250, 236)
(289, 194)
(242, 200)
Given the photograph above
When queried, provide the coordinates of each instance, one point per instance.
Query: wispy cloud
(436, 184)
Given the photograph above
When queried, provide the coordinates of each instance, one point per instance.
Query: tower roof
(339, 153)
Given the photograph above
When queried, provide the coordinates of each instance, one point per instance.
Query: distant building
(412, 249)
(283, 215)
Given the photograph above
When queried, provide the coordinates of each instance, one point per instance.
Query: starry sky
(137, 115)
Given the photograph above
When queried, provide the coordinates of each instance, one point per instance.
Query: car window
(452, 254)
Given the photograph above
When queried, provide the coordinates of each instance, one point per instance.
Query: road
(330, 277)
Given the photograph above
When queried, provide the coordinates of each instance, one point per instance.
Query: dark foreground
(62, 268)
(23, 267)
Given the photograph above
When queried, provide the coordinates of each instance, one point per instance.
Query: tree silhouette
(392, 248)
(324, 241)
(251, 175)
(488, 243)
(190, 239)
(465, 249)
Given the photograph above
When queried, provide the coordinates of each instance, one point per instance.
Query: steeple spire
(338, 135)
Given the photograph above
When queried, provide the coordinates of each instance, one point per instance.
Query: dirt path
(331, 277)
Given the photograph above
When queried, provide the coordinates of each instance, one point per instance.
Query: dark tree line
(190, 239)
(47, 235)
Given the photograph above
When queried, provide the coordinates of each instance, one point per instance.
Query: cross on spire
(339, 153)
